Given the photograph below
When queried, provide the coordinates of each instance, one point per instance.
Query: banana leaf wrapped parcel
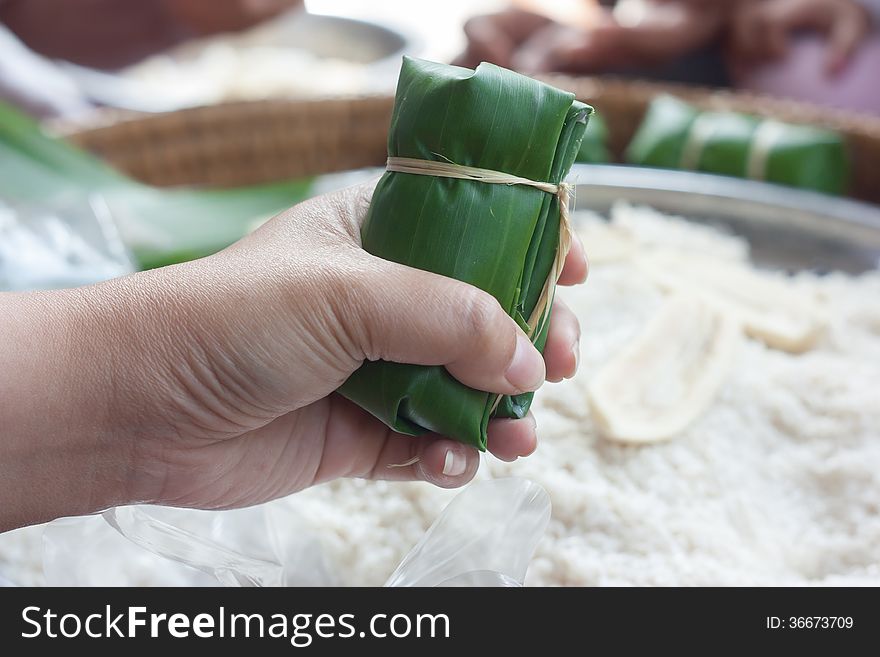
(677, 135)
(502, 238)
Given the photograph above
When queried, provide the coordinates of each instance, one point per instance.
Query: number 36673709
(810, 622)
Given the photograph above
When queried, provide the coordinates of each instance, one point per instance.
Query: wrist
(61, 455)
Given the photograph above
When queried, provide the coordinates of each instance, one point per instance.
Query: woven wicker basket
(244, 143)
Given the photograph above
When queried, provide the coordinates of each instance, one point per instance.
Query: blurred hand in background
(213, 16)
(820, 51)
(115, 33)
(534, 38)
(102, 34)
(763, 30)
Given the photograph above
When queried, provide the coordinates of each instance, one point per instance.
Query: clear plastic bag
(228, 545)
(86, 551)
(484, 537)
(64, 243)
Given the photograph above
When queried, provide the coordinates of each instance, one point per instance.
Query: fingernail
(576, 352)
(454, 464)
(526, 370)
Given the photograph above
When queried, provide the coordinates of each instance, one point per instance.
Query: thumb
(406, 315)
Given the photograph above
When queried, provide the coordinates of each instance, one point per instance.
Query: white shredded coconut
(223, 71)
(777, 483)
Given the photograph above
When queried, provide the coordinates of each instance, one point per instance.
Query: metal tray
(786, 228)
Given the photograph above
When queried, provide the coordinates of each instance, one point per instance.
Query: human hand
(216, 16)
(564, 49)
(533, 43)
(762, 29)
(117, 33)
(210, 384)
(647, 33)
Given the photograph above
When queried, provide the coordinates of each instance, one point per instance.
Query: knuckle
(349, 297)
(482, 314)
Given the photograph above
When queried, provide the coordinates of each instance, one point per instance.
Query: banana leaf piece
(500, 238)
(160, 226)
(594, 147)
(728, 141)
(675, 134)
(19, 132)
(167, 226)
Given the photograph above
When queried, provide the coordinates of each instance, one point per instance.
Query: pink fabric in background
(802, 75)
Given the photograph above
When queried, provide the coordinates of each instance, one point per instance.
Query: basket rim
(585, 87)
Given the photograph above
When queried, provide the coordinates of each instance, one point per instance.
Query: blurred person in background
(652, 39)
(104, 34)
(824, 51)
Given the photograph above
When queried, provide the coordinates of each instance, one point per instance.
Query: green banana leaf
(18, 132)
(799, 156)
(811, 158)
(726, 149)
(594, 147)
(167, 226)
(161, 226)
(661, 137)
(500, 238)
